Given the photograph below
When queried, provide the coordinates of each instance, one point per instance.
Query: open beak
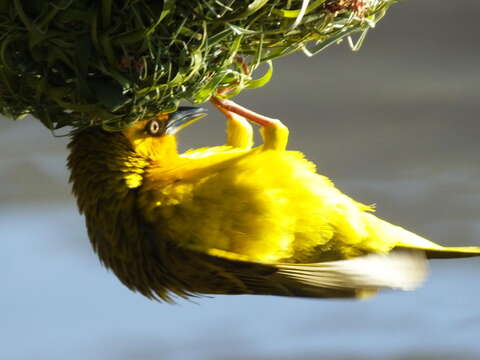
(184, 116)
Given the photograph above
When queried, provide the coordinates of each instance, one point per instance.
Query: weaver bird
(233, 219)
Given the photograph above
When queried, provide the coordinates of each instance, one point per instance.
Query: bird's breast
(255, 203)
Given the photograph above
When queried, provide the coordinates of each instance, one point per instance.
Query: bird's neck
(161, 150)
(165, 149)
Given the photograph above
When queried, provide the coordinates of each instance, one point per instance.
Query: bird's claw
(274, 132)
(239, 130)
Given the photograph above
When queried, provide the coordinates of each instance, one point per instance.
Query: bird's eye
(154, 128)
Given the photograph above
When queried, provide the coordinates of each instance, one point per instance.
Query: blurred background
(395, 124)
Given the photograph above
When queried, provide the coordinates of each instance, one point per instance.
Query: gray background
(395, 124)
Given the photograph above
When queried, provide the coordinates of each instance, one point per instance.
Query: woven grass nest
(79, 63)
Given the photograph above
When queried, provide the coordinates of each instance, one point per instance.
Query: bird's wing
(358, 277)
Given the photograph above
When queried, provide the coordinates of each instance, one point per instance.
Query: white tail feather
(401, 269)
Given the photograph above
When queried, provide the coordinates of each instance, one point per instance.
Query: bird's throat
(162, 149)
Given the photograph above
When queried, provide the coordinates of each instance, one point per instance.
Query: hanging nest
(80, 63)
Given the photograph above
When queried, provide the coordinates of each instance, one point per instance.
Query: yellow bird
(233, 219)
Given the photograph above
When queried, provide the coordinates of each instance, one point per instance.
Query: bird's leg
(239, 130)
(274, 133)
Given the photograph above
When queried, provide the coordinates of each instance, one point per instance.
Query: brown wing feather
(358, 277)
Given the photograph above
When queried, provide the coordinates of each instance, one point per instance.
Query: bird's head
(104, 163)
(155, 138)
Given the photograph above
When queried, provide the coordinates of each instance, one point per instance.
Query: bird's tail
(451, 252)
(408, 240)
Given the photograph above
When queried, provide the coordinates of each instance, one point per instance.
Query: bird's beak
(184, 116)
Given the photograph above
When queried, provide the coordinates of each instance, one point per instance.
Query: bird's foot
(239, 130)
(274, 133)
